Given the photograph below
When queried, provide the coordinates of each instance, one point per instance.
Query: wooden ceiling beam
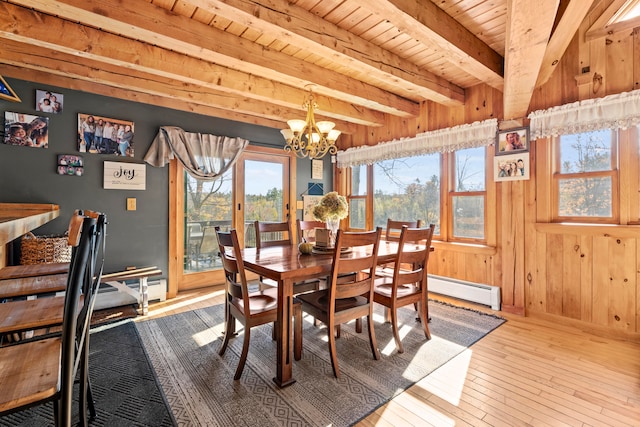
(44, 30)
(41, 58)
(569, 23)
(19, 72)
(427, 23)
(145, 22)
(527, 41)
(296, 26)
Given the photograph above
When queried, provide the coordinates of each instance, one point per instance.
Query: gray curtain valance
(204, 156)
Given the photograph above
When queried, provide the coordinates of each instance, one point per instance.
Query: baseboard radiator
(468, 291)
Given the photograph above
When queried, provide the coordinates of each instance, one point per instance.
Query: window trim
(557, 177)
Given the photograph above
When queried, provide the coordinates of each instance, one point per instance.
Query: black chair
(249, 308)
(349, 296)
(44, 370)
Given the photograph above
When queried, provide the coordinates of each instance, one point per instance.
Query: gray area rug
(124, 385)
(199, 384)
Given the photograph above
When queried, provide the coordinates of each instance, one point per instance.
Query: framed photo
(70, 164)
(6, 92)
(512, 141)
(103, 135)
(49, 102)
(26, 130)
(316, 169)
(512, 167)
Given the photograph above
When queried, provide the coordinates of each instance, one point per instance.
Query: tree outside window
(586, 175)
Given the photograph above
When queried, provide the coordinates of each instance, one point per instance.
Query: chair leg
(227, 334)
(245, 351)
(396, 333)
(423, 312)
(332, 350)
(359, 325)
(297, 332)
(372, 337)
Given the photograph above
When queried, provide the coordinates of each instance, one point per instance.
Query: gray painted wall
(140, 238)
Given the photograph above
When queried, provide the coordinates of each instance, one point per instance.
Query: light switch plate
(131, 204)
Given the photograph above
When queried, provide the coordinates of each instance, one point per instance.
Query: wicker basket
(44, 249)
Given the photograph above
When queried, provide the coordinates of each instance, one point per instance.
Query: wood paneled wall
(578, 274)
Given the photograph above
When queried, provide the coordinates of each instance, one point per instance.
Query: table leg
(284, 338)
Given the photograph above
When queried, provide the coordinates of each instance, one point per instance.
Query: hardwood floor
(528, 372)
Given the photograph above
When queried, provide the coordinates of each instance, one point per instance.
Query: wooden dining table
(286, 265)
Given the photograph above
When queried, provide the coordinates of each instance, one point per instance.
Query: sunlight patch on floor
(447, 382)
(390, 347)
(157, 311)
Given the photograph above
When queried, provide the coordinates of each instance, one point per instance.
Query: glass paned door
(258, 185)
(207, 204)
(266, 193)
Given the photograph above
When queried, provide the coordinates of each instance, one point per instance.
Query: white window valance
(618, 111)
(204, 156)
(477, 134)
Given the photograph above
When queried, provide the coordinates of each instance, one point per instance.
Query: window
(445, 189)
(407, 189)
(358, 198)
(586, 177)
(467, 195)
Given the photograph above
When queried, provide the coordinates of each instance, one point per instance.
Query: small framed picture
(69, 164)
(49, 102)
(512, 141)
(513, 167)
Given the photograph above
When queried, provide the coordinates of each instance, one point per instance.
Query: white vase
(333, 224)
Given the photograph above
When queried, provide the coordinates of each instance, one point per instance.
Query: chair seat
(384, 287)
(259, 301)
(320, 300)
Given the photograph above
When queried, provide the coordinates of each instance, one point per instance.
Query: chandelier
(308, 138)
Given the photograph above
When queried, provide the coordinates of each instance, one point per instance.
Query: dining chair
(270, 234)
(302, 226)
(348, 296)
(273, 234)
(407, 285)
(249, 308)
(44, 370)
(394, 228)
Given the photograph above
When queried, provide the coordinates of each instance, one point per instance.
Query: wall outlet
(131, 204)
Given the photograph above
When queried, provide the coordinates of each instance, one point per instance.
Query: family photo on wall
(26, 130)
(512, 141)
(49, 102)
(513, 167)
(103, 135)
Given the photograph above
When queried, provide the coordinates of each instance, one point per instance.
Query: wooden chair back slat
(269, 234)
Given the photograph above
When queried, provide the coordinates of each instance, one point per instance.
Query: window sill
(604, 230)
(464, 247)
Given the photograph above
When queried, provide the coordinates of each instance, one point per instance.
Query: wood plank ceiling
(255, 61)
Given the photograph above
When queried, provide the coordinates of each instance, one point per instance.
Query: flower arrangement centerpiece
(331, 208)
